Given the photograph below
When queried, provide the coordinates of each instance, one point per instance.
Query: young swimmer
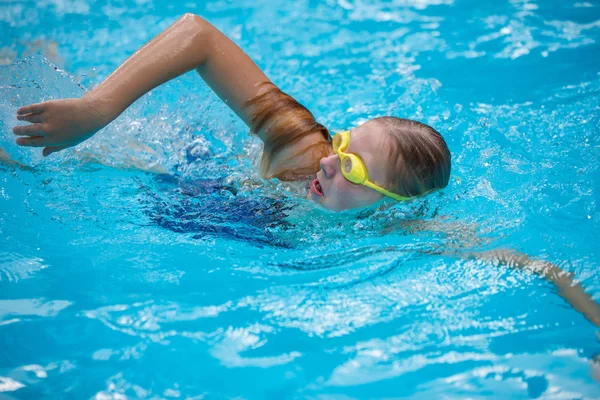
(386, 157)
(405, 157)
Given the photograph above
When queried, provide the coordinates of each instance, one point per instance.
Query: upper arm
(229, 71)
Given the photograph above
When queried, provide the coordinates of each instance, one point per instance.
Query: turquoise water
(210, 283)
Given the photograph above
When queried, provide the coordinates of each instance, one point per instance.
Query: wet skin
(370, 143)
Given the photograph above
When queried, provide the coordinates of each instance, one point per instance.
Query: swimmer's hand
(59, 124)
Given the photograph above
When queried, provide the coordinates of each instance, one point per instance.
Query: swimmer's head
(405, 157)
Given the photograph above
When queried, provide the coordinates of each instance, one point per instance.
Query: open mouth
(316, 188)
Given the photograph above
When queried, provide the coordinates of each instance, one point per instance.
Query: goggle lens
(347, 165)
(337, 142)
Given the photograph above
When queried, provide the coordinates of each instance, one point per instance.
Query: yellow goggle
(354, 169)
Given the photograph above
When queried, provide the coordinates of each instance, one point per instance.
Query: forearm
(177, 50)
(572, 292)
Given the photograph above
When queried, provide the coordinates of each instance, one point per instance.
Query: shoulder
(294, 140)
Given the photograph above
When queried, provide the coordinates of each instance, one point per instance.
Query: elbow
(198, 30)
(191, 17)
(195, 21)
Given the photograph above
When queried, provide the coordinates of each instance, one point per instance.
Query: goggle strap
(381, 190)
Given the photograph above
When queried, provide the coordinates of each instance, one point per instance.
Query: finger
(35, 118)
(31, 109)
(28, 130)
(53, 149)
(37, 141)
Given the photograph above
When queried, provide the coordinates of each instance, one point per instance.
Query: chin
(317, 200)
(311, 196)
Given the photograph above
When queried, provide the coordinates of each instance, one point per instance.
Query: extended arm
(190, 43)
(571, 291)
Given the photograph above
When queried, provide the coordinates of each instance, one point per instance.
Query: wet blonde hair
(419, 157)
(281, 121)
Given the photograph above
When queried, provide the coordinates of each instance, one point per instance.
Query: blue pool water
(210, 283)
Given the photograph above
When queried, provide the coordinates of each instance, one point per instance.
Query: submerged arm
(190, 43)
(569, 290)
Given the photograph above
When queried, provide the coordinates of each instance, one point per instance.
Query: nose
(328, 165)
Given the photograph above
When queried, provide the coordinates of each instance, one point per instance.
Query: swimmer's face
(334, 192)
